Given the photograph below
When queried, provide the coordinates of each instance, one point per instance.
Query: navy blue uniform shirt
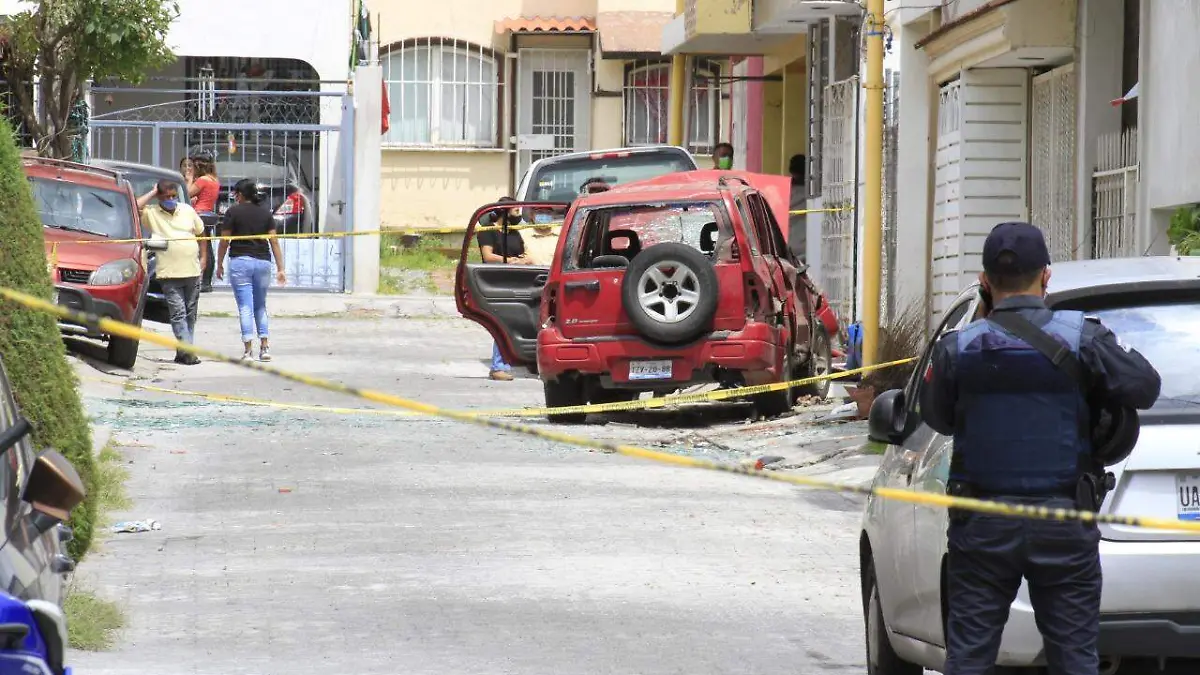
(1119, 375)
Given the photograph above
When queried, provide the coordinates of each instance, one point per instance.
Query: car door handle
(593, 285)
(541, 279)
(61, 564)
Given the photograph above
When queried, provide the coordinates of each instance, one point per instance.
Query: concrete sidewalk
(285, 303)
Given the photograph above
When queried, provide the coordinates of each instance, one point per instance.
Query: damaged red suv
(659, 285)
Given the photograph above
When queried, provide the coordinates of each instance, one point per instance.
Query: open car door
(504, 297)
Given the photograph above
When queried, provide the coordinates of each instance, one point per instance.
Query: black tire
(699, 315)
(779, 402)
(564, 392)
(881, 658)
(532, 367)
(123, 352)
(819, 363)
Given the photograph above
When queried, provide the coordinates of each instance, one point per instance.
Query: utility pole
(873, 196)
(676, 93)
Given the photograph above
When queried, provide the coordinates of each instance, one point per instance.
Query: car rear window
(1166, 335)
(561, 181)
(70, 206)
(628, 230)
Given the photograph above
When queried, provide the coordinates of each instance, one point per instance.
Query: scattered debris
(848, 411)
(764, 462)
(136, 526)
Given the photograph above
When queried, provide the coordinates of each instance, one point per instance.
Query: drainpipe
(873, 195)
(676, 92)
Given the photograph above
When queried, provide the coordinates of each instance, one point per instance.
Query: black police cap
(1024, 244)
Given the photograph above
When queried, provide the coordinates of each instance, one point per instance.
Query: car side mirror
(53, 488)
(156, 244)
(886, 421)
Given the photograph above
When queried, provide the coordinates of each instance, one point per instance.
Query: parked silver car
(1150, 607)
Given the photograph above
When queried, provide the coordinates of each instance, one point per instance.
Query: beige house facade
(479, 89)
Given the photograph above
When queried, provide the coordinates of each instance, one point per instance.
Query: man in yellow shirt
(180, 265)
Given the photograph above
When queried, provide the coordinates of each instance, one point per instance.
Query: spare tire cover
(670, 293)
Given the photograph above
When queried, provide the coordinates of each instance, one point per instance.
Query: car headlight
(114, 273)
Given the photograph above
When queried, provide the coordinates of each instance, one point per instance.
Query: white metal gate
(946, 274)
(553, 104)
(1052, 160)
(1114, 196)
(839, 169)
(891, 140)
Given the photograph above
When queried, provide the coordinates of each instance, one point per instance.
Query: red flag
(387, 109)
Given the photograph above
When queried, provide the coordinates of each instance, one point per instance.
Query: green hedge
(33, 352)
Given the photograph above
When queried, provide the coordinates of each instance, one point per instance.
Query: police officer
(1020, 423)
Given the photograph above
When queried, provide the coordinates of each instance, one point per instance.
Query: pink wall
(754, 114)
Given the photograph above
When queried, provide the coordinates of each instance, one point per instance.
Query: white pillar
(368, 137)
(913, 172)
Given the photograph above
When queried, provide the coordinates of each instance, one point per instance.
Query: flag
(1129, 96)
(387, 109)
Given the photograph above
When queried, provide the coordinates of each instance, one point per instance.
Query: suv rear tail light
(609, 155)
(549, 308)
(291, 206)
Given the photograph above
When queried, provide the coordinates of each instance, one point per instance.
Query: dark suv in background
(280, 175)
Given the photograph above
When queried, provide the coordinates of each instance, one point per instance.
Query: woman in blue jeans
(250, 264)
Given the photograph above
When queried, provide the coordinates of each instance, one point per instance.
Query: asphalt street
(296, 541)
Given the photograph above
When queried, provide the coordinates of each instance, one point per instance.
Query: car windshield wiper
(102, 200)
(72, 228)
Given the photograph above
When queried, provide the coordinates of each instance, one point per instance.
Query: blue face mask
(168, 205)
(541, 218)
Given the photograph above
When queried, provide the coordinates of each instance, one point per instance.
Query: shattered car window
(628, 230)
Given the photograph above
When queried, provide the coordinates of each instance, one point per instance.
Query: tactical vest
(1021, 422)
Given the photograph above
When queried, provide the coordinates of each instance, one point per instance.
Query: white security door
(1052, 161)
(554, 104)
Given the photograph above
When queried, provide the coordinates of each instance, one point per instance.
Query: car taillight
(293, 205)
(549, 307)
(609, 155)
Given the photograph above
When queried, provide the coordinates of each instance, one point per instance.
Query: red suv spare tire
(670, 293)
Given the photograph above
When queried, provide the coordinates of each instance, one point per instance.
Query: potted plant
(900, 338)
(1184, 230)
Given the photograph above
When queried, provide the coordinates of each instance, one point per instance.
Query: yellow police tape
(363, 233)
(928, 499)
(656, 403)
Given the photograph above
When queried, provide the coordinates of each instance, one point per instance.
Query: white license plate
(650, 370)
(1187, 497)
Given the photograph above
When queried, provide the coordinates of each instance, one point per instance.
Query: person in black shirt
(250, 263)
(504, 247)
(507, 247)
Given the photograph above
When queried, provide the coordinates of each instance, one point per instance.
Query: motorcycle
(33, 637)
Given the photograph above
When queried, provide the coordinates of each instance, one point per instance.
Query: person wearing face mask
(504, 247)
(179, 267)
(723, 157)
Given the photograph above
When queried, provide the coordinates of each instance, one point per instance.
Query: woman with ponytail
(250, 264)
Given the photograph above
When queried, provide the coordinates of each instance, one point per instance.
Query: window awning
(631, 34)
(553, 25)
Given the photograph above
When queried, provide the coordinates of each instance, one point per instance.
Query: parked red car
(655, 286)
(80, 203)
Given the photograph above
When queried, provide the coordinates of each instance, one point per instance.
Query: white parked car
(558, 178)
(1150, 607)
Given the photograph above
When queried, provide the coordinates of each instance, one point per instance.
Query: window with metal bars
(647, 107)
(442, 93)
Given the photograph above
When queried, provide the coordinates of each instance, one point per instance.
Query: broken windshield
(627, 230)
(68, 206)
